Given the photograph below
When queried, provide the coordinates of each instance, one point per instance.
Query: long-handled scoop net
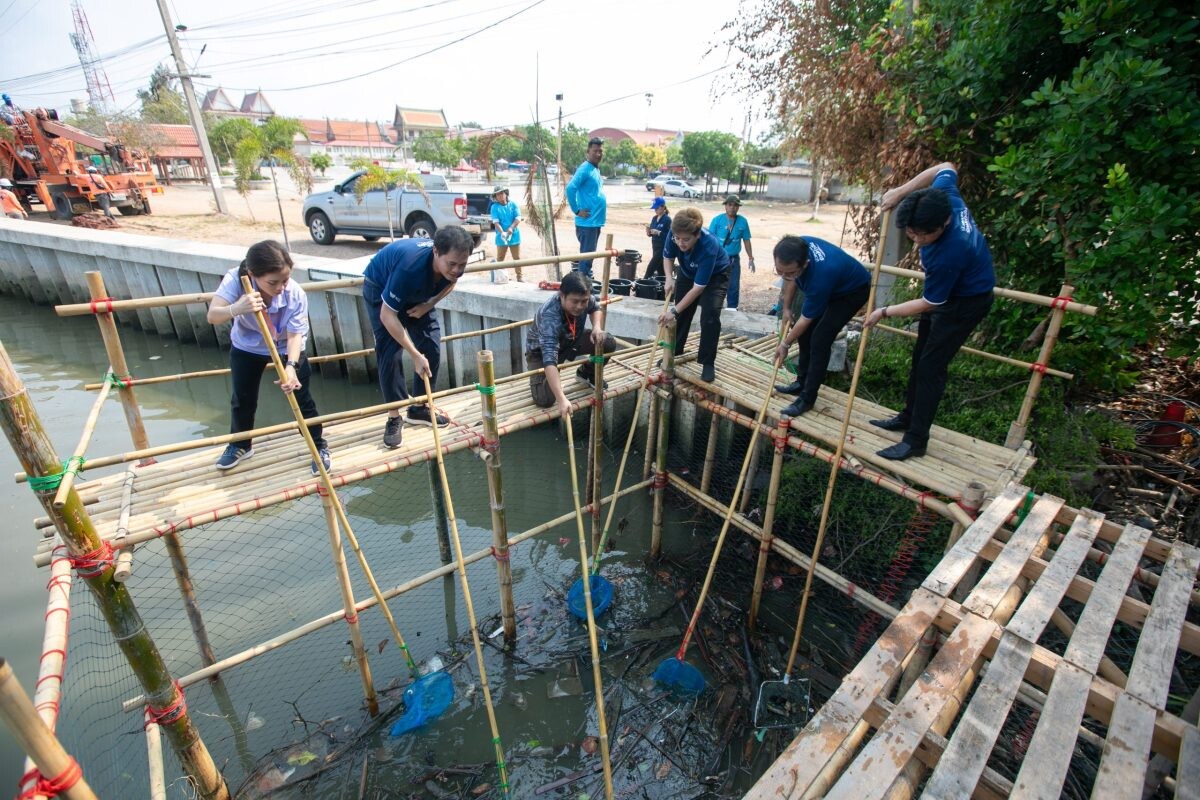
(428, 696)
(675, 672)
(466, 589)
(601, 587)
(589, 613)
(784, 703)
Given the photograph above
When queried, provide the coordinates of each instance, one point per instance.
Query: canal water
(260, 575)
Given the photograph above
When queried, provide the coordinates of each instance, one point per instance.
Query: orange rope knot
(351, 619)
(1060, 302)
(1036, 367)
(660, 481)
(51, 787)
(165, 716)
(89, 565)
(502, 557)
(490, 445)
(108, 301)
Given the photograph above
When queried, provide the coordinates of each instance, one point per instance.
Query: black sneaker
(896, 423)
(709, 373)
(589, 378)
(795, 387)
(233, 456)
(326, 460)
(801, 406)
(419, 415)
(393, 432)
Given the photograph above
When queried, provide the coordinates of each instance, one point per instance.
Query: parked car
(676, 187)
(658, 180)
(339, 211)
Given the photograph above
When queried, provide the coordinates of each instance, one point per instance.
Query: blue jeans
(425, 333)
(735, 281)
(588, 237)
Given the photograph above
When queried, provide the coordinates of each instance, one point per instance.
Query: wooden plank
(1007, 568)
(896, 741)
(1048, 756)
(1091, 632)
(1150, 675)
(1187, 770)
(954, 564)
(181, 323)
(349, 333)
(1034, 614)
(1122, 770)
(965, 758)
(796, 768)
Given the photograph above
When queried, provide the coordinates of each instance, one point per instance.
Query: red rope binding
(1060, 302)
(51, 787)
(1036, 367)
(490, 445)
(108, 301)
(351, 619)
(660, 481)
(89, 565)
(502, 558)
(165, 716)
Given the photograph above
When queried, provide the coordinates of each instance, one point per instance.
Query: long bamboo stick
(466, 590)
(85, 439)
(487, 401)
(157, 780)
(1016, 432)
(105, 305)
(598, 359)
(837, 455)
(492, 266)
(1011, 294)
(36, 739)
(363, 605)
(779, 440)
(1015, 362)
(664, 440)
(348, 605)
(710, 453)
(601, 722)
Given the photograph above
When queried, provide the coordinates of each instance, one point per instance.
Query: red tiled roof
(421, 118)
(316, 129)
(344, 130)
(174, 141)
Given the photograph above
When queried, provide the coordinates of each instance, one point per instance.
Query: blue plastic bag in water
(679, 676)
(425, 700)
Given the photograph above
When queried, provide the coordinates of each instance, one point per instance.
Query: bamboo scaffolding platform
(911, 736)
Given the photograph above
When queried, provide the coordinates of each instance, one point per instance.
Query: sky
(494, 62)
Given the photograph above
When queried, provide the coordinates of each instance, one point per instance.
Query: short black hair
(452, 237)
(595, 140)
(791, 250)
(925, 211)
(574, 282)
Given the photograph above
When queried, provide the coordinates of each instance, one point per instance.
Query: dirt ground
(187, 212)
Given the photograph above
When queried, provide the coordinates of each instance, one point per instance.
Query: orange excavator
(39, 153)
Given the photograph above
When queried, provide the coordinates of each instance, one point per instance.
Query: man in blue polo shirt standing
(731, 229)
(835, 286)
(403, 283)
(959, 281)
(585, 194)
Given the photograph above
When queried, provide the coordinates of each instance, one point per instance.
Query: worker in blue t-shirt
(959, 280)
(506, 217)
(702, 281)
(404, 281)
(731, 230)
(585, 195)
(835, 286)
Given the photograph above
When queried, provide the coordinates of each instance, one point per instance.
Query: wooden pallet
(987, 633)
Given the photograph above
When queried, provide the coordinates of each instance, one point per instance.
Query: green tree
(161, 102)
(376, 177)
(712, 154)
(321, 162)
(574, 146)
(620, 157)
(651, 159)
(224, 135)
(438, 150)
(274, 142)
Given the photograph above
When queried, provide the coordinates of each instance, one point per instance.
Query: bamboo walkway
(176, 494)
(1000, 623)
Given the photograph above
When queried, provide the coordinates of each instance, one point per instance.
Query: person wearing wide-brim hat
(732, 229)
(506, 219)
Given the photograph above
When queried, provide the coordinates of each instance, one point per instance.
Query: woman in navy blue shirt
(703, 281)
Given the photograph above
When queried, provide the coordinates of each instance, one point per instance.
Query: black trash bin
(646, 288)
(620, 286)
(627, 264)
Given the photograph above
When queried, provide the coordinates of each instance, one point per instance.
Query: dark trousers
(940, 333)
(655, 267)
(105, 204)
(588, 239)
(710, 302)
(425, 333)
(817, 340)
(568, 350)
(735, 281)
(247, 370)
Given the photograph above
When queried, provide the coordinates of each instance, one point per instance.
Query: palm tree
(274, 140)
(377, 177)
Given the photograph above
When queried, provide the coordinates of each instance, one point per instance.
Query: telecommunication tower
(98, 89)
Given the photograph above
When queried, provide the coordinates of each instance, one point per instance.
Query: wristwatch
(292, 364)
(674, 311)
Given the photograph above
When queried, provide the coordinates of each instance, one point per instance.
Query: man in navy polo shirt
(404, 281)
(702, 282)
(959, 280)
(835, 286)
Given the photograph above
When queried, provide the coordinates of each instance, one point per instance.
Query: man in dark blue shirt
(959, 281)
(835, 286)
(702, 282)
(403, 283)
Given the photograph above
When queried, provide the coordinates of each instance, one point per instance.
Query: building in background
(346, 140)
(409, 123)
(653, 137)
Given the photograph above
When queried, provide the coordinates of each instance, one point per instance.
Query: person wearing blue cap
(506, 217)
(585, 195)
(659, 230)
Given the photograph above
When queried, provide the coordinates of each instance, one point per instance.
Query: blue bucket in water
(602, 597)
(679, 676)
(425, 700)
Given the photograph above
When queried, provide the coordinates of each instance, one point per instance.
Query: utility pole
(558, 158)
(189, 94)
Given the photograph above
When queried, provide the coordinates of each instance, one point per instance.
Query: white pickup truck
(339, 211)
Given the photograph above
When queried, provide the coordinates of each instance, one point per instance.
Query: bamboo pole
(492, 266)
(1016, 431)
(124, 567)
(597, 443)
(651, 428)
(38, 742)
(327, 482)
(157, 780)
(363, 605)
(710, 453)
(491, 447)
(105, 305)
(439, 513)
(85, 438)
(1011, 294)
(664, 440)
(601, 722)
(837, 455)
(343, 577)
(779, 439)
(466, 590)
(29, 441)
(751, 475)
(1015, 362)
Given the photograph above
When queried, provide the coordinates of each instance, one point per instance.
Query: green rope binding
(1026, 507)
(488, 390)
(662, 343)
(51, 482)
(113, 380)
(596, 359)
(502, 766)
